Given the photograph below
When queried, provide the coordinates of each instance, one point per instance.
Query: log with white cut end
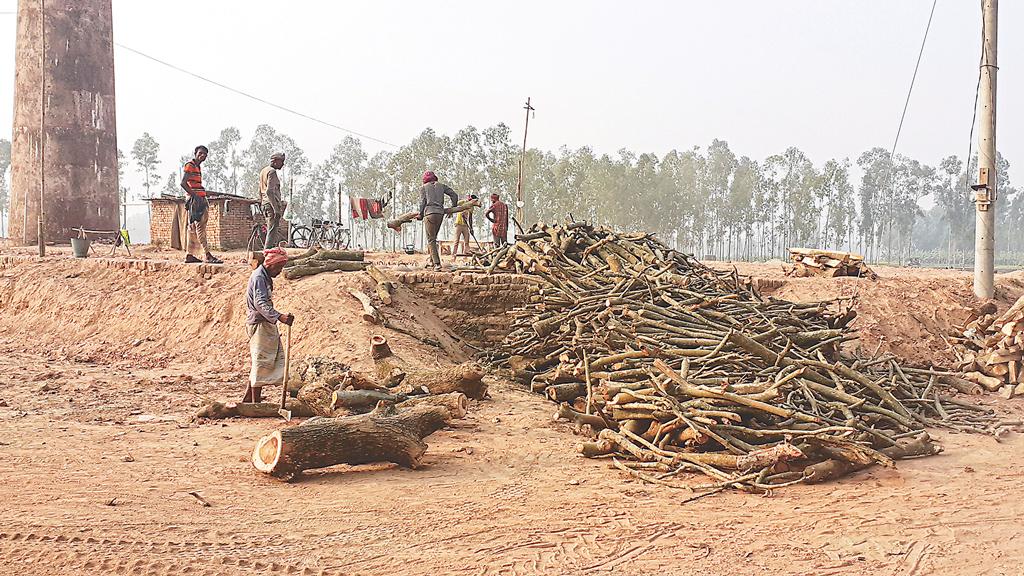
(383, 435)
(370, 314)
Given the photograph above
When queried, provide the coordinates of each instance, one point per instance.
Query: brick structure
(78, 162)
(475, 306)
(228, 228)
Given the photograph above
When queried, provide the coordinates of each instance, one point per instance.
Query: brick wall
(160, 220)
(228, 227)
(475, 306)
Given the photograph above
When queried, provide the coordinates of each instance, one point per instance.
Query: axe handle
(287, 358)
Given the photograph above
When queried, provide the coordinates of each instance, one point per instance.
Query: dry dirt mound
(180, 315)
(906, 311)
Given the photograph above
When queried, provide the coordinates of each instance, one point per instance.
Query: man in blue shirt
(265, 350)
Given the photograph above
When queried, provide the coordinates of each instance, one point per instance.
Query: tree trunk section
(383, 435)
(455, 402)
(465, 378)
(312, 267)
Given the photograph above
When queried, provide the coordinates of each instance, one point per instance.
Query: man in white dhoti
(265, 350)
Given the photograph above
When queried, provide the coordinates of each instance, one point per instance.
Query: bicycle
(323, 233)
(258, 235)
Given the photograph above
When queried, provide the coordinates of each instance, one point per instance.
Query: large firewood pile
(673, 367)
(991, 350)
(828, 264)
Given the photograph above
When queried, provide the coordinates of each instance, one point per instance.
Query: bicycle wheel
(256, 238)
(340, 238)
(301, 236)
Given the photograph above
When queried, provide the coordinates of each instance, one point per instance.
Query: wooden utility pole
(985, 188)
(522, 160)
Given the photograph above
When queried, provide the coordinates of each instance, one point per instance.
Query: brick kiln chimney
(79, 162)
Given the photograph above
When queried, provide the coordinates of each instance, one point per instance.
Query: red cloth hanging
(376, 209)
(364, 207)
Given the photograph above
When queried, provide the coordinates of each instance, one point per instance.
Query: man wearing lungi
(265, 350)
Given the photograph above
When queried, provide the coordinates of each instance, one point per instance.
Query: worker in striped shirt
(197, 206)
(497, 215)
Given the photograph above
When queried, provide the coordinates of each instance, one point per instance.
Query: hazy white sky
(827, 76)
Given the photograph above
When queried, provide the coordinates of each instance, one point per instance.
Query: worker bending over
(265, 350)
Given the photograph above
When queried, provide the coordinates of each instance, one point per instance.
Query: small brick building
(228, 228)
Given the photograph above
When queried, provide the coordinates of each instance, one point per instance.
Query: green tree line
(706, 200)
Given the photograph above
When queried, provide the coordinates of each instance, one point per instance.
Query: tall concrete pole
(69, 81)
(985, 189)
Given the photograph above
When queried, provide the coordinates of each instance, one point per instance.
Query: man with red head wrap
(432, 195)
(265, 350)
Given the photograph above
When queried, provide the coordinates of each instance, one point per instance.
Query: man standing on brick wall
(270, 197)
(197, 206)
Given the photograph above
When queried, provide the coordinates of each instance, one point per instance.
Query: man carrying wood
(270, 197)
(196, 206)
(432, 195)
(497, 215)
(265, 350)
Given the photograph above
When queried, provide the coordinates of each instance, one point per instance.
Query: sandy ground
(99, 377)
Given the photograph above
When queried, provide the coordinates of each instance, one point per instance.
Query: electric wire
(254, 97)
(974, 116)
(913, 79)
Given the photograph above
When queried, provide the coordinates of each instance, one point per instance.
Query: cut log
(379, 348)
(385, 286)
(383, 435)
(313, 267)
(455, 402)
(293, 260)
(317, 395)
(565, 412)
(370, 314)
(565, 392)
(361, 400)
(220, 410)
(833, 468)
(466, 378)
(397, 223)
(990, 383)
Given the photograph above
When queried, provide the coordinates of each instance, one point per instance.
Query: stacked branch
(675, 367)
(991, 350)
(316, 261)
(828, 264)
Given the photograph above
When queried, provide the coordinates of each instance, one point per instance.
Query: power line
(253, 97)
(974, 115)
(913, 79)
